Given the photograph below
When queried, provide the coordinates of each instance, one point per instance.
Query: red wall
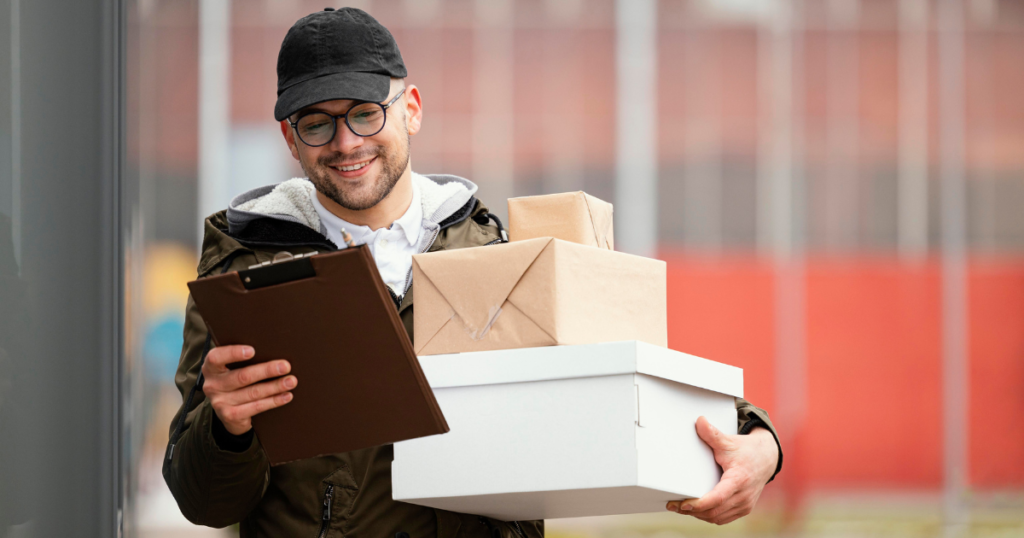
(997, 373)
(874, 356)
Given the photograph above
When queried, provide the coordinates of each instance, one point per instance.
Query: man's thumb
(712, 435)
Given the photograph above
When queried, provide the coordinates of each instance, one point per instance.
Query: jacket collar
(287, 230)
(441, 196)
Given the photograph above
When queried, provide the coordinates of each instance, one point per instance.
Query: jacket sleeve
(213, 486)
(750, 417)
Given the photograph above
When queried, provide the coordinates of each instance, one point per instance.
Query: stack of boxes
(548, 356)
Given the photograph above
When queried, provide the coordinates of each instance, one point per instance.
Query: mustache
(337, 158)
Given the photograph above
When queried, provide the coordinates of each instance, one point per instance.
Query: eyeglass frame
(334, 120)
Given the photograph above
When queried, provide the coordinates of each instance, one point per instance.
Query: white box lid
(589, 360)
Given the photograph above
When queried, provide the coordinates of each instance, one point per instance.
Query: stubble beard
(392, 166)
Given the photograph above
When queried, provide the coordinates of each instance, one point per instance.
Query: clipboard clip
(284, 267)
(284, 256)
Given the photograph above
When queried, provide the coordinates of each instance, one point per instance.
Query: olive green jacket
(342, 495)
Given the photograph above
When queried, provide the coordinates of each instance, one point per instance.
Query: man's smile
(351, 170)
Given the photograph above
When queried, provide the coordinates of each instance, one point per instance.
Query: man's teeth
(356, 166)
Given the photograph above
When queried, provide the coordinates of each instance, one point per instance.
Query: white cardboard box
(568, 431)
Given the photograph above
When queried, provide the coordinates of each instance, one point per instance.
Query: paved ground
(874, 515)
(881, 515)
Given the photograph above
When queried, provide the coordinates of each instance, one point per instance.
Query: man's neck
(382, 215)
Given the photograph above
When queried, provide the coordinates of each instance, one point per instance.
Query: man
(347, 116)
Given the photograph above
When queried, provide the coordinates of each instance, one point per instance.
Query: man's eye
(367, 116)
(313, 127)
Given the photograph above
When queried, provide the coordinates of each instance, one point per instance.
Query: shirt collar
(412, 221)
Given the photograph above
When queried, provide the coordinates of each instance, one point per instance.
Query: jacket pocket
(337, 493)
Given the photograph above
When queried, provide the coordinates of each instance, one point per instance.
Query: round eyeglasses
(317, 129)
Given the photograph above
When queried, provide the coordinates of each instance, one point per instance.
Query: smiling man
(347, 117)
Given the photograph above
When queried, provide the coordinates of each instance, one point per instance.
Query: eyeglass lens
(317, 129)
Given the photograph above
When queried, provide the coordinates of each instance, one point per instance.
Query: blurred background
(836, 185)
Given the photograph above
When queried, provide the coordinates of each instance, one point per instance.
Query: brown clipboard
(359, 382)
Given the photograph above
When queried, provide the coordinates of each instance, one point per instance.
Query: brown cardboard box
(537, 292)
(572, 216)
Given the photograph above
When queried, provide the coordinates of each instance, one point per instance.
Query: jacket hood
(440, 196)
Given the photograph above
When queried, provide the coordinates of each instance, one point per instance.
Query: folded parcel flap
(537, 292)
(570, 216)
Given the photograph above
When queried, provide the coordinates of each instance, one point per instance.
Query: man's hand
(748, 462)
(238, 395)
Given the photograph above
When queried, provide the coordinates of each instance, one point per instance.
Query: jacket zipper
(408, 274)
(325, 521)
(519, 529)
(394, 297)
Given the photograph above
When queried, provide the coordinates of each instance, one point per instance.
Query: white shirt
(392, 248)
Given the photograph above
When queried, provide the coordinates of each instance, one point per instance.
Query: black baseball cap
(335, 54)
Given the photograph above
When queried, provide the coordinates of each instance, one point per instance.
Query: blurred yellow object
(166, 270)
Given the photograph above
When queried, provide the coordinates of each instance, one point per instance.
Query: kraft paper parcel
(571, 216)
(537, 292)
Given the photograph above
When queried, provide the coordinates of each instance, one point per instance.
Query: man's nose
(345, 141)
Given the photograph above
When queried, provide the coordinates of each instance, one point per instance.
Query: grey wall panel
(60, 316)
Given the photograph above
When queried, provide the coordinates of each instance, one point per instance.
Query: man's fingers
(239, 413)
(722, 491)
(243, 377)
(220, 357)
(716, 512)
(725, 516)
(714, 437)
(259, 391)
(732, 515)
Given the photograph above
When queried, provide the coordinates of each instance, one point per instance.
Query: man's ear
(289, 137)
(413, 108)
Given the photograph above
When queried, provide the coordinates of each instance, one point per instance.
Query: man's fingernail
(686, 507)
(673, 506)
(282, 368)
(248, 352)
(290, 382)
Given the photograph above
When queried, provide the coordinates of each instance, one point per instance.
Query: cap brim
(351, 85)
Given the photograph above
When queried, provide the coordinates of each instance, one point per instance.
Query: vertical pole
(493, 102)
(111, 287)
(842, 220)
(636, 176)
(780, 236)
(775, 138)
(982, 211)
(214, 106)
(702, 177)
(912, 198)
(955, 373)
(16, 130)
(563, 115)
(772, 109)
(786, 251)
